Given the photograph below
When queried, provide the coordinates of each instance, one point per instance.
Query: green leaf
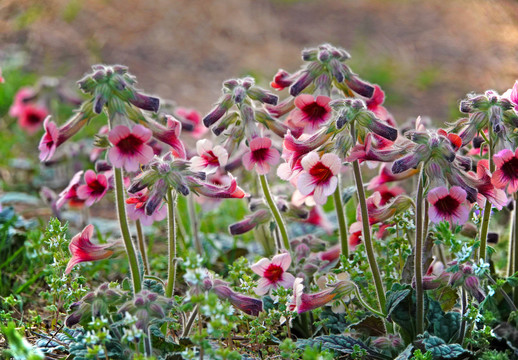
(19, 348)
(348, 193)
(441, 350)
(396, 295)
(446, 296)
(370, 326)
(513, 280)
(340, 344)
(336, 323)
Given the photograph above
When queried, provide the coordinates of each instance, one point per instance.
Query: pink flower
(129, 147)
(319, 176)
(227, 190)
(448, 206)
(486, 189)
(193, 118)
(169, 134)
(96, 152)
(247, 304)
(374, 104)
(83, 250)
(386, 175)
(311, 113)
(273, 273)
(136, 209)
(507, 170)
(95, 188)
(21, 98)
(70, 193)
(261, 154)
(2, 80)
(512, 94)
(31, 117)
(318, 217)
(210, 157)
(306, 302)
(49, 141)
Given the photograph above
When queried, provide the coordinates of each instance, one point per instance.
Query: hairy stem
(342, 226)
(418, 263)
(484, 227)
(142, 246)
(515, 246)
(275, 212)
(194, 223)
(171, 237)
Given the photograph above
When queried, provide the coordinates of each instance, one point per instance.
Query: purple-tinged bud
(248, 305)
(302, 251)
(492, 238)
(477, 142)
(183, 189)
(464, 162)
(156, 196)
(102, 166)
(465, 107)
(139, 301)
(359, 86)
(238, 95)
(336, 69)
(323, 55)
(99, 102)
(302, 82)
(247, 114)
(218, 111)
(282, 108)
(250, 222)
(382, 129)
(472, 284)
(73, 319)
(256, 93)
(120, 69)
(230, 84)
(506, 104)
(157, 310)
(145, 102)
(309, 54)
(407, 162)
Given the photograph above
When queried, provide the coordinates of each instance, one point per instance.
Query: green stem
(515, 247)
(484, 227)
(380, 292)
(171, 237)
(194, 223)
(142, 246)
(418, 262)
(365, 305)
(342, 226)
(126, 236)
(510, 247)
(464, 306)
(275, 212)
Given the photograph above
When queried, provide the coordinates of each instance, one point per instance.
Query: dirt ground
(427, 55)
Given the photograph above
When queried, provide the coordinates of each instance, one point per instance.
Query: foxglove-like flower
(273, 273)
(506, 174)
(261, 155)
(486, 189)
(319, 176)
(129, 147)
(247, 304)
(250, 222)
(136, 209)
(21, 99)
(191, 121)
(447, 205)
(31, 117)
(302, 302)
(169, 134)
(69, 194)
(95, 188)
(386, 175)
(82, 249)
(311, 112)
(374, 104)
(210, 157)
(227, 190)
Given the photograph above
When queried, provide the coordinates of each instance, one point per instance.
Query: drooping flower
(447, 205)
(273, 273)
(375, 104)
(247, 304)
(486, 189)
(311, 112)
(82, 249)
(31, 117)
(210, 157)
(69, 194)
(386, 175)
(227, 190)
(319, 176)
(95, 188)
(193, 118)
(318, 217)
(129, 147)
(506, 174)
(169, 134)
(512, 94)
(250, 222)
(262, 155)
(136, 209)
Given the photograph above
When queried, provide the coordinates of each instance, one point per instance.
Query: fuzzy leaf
(340, 344)
(370, 326)
(336, 323)
(446, 296)
(513, 280)
(441, 350)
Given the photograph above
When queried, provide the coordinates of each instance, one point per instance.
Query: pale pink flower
(319, 176)
(193, 118)
(210, 157)
(261, 154)
(311, 112)
(21, 99)
(273, 273)
(69, 194)
(447, 205)
(136, 209)
(95, 188)
(129, 147)
(82, 249)
(506, 174)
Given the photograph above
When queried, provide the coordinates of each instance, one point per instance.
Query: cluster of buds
(146, 306)
(101, 302)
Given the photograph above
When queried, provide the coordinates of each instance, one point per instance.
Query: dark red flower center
(321, 172)
(211, 158)
(315, 112)
(34, 117)
(129, 144)
(260, 155)
(273, 273)
(447, 205)
(96, 187)
(510, 168)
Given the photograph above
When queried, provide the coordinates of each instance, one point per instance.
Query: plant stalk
(484, 227)
(142, 246)
(275, 212)
(171, 237)
(515, 245)
(194, 223)
(418, 262)
(342, 225)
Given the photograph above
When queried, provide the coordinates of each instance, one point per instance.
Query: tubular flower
(55, 136)
(374, 104)
(306, 302)
(95, 188)
(262, 155)
(227, 190)
(136, 209)
(250, 222)
(69, 194)
(191, 121)
(486, 189)
(210, 157)
(447, 205)
(318, 217)
(129, 147)
(273, 273)
(169, 134)
(311, 112)
(386, 175)
(319, 176)
(83, 250)
(373, 150)
(506, 174)
(31, 117)
(247, 304)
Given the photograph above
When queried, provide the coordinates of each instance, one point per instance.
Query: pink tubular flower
(261, 154)
(447, 205)
(69, 194)
(486, 189)
(318, 217)
(228, 190)
(507, 170)
(169, 134)
(512, 94)
(31, 117)
(374, 104)
(311, 112)
(20, 100)
(386, 175)
(210, 157)
(83, 250)
(95, 188)
(273, 273)
(136, 209)
(129, 147)
(319, 176)
(247, 304)
(192, 119)
(306, 302)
